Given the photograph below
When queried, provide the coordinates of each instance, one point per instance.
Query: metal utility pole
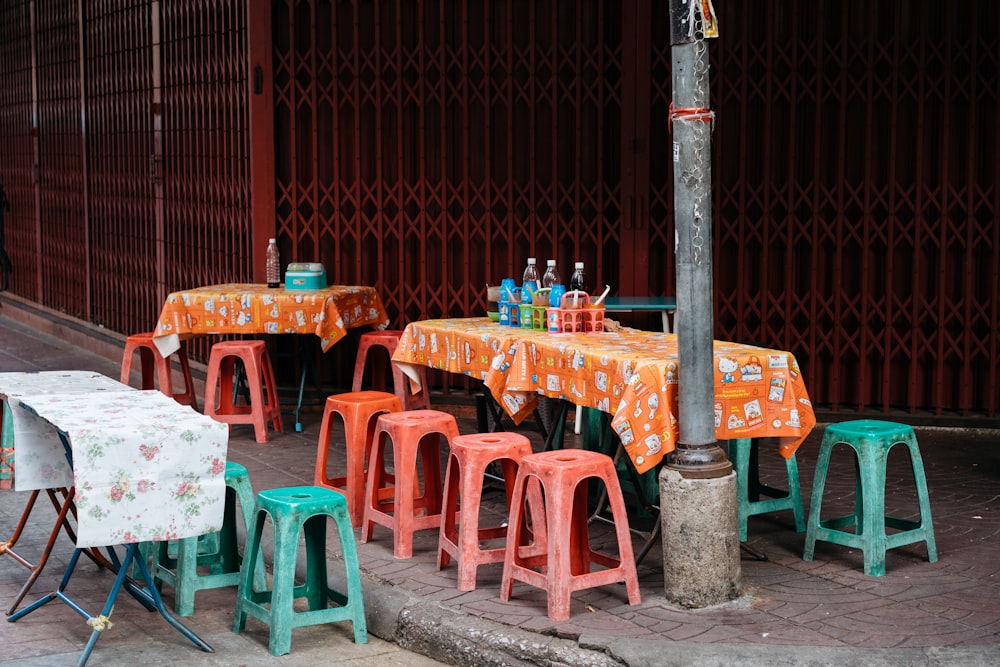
(697, 454)
(701, 554)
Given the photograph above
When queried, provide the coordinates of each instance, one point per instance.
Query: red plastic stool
(389, 340)
(566, 566)
(219, 385)
(461, 535)
(359, 410)
(411, 432)
(155, 369)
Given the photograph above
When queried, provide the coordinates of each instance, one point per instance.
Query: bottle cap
(550, 262)
(272, 240)
(578, 265)
(531, 260)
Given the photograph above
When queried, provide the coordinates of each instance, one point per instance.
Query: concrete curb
(443, 634)
(650, 653)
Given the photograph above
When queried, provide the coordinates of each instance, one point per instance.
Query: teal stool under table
(295, 510)
(216, 552)
(871, 441)
(743, 453)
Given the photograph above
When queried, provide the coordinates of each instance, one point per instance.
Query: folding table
(141, 468)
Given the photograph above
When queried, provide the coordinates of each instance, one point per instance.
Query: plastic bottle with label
(273, 270)
(551, 276)
(530, 279)
(578, 281)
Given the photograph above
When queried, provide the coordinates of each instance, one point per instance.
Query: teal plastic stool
(219, 552)
(871, 441)
(293, 510)
(743, 454)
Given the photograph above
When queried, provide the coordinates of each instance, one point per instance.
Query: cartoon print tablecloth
(631, 374)
(245, 308)
(474, 346)
(144, 467)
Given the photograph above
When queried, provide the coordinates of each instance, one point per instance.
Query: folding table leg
(103, 620)
(61, 522)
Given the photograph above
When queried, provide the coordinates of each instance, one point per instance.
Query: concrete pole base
(701, 546)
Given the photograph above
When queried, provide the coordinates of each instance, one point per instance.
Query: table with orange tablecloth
(630, 374)
(246, 308)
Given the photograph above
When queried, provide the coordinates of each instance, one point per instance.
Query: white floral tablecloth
(144, 467)
(43, 464)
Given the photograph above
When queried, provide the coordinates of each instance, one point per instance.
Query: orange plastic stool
(389, 340)
(566, 565)
(359, 410)
(155, 369)
(411, 432)
(219, 384)
(461, 535)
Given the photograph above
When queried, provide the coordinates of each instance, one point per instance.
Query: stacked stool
(397, 503)
(461, 536)
(294, 511)
(220, 385)
(744, 455)
(565, 566)
(218, 551)
(155, 369)
(871, 441)
(389, 341)
(359, 410)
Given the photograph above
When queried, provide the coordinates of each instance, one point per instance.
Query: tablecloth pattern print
(16, 426)
(630, 374)
(144, 467)
(245, 308)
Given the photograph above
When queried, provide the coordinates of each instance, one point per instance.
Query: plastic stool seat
(871, 441)
(219, 386)
(218, 551)
(566, 564)
(358, 410)
(461, 535)
(295, 511)
(388, 339)
(155, 369)
(744, 454)
(400, 505)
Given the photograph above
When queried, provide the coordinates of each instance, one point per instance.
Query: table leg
(103, 620)
(555, 437)
(61, 523)
(599, 427)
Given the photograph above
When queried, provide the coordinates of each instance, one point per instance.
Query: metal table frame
(665, 305)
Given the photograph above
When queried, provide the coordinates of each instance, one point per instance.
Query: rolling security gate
(858, 197)
(134, 179)
(428, 148)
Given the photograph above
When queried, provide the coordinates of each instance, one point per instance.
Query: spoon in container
(600, 299)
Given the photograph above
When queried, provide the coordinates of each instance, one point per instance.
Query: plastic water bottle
(578, 281)
(551, 276)
(530, 279)
(273, 270)
(556, 293)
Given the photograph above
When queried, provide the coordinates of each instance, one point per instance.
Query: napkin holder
(305, 276)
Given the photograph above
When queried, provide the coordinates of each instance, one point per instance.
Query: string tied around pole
(690, 113)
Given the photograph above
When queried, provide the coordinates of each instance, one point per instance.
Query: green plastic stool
(293, 510)
(871, 441)
(743, 453)
(219, 552)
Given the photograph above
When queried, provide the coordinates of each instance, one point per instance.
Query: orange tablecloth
(631, 374)
(245, 308)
